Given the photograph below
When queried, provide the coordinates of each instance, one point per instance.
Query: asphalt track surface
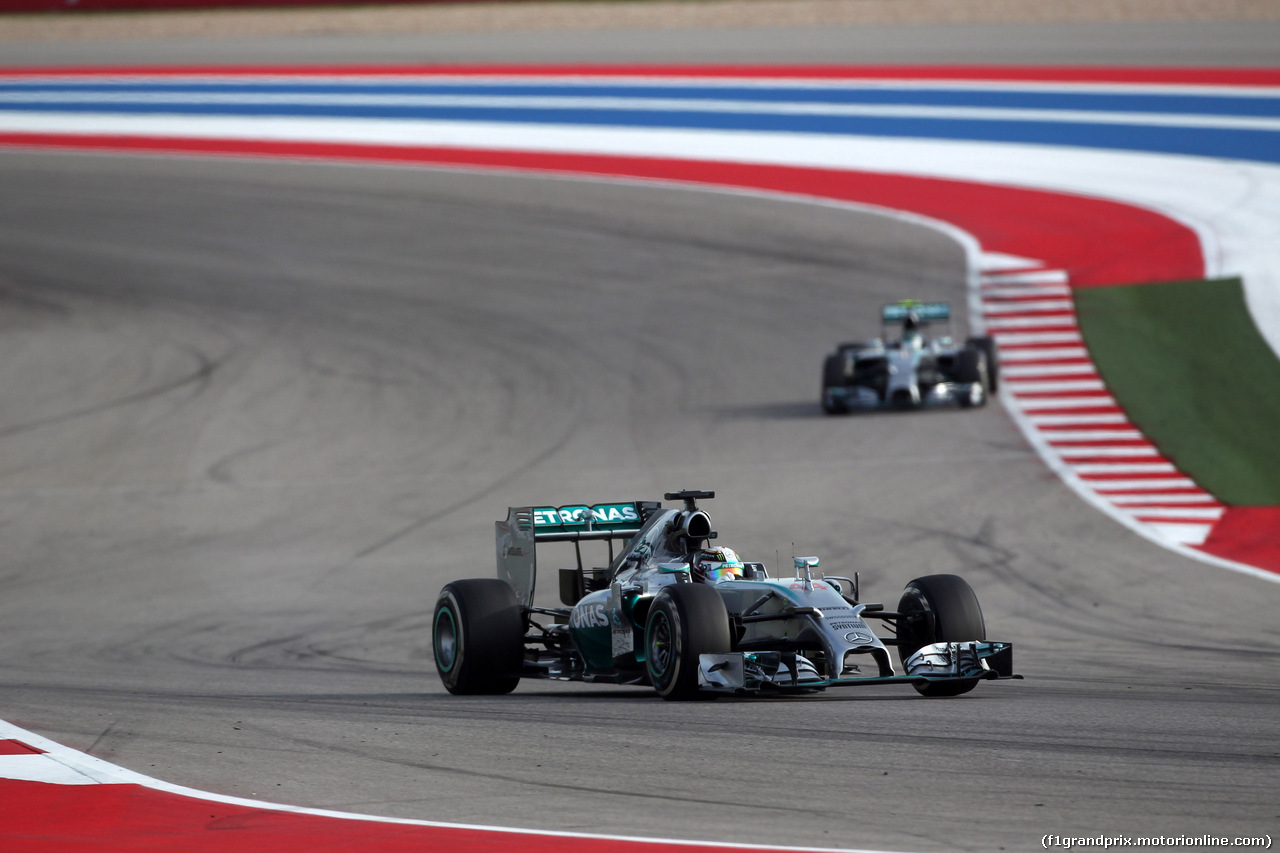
(254, 415)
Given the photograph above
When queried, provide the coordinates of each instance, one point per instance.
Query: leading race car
(689, 618)
(910, 370)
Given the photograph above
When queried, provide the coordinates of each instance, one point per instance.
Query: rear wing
(924, 311)
(517, 538)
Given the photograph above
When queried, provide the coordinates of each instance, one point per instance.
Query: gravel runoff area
(637, 14)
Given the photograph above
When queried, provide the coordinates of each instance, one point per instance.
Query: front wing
(862, 397)
(756, 672)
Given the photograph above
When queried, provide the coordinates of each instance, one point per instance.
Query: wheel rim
(659, 652)
(446, 640)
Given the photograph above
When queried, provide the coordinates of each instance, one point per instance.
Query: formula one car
(691, 619)
(911, 370)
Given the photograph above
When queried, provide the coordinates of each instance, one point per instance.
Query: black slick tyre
(477, 635)
(971, 367)
(832, 377)
(939, 609)
(685, 620)
(988, 346)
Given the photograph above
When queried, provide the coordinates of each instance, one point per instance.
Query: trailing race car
(671, 611)
(911, 370)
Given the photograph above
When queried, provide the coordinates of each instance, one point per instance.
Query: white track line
(1029, 308)
(1048, 371)
(1179, 514)
(1031, 339)
(1088, 452)
(1157, 499)
(1084, 402)
(1046, 278)
(1042, 353)
(1055, 322)
(1125, 468)
(68, 766)
(1153, 484)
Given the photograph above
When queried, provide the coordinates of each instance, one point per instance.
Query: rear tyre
(477, 635)
(939, 609)
(685, 620)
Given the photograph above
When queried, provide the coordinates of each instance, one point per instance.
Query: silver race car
(913, 369)
(673, 611)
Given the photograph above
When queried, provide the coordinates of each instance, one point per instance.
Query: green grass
(1187, 364)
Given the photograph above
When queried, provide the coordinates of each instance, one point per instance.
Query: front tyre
(831, 407)
(971, 369)
(832, 377)
(477, 635)
(992, 350)
(685, 621)
(939, 609)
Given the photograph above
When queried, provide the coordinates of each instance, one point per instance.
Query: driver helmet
(911, 334)
(716, 564)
